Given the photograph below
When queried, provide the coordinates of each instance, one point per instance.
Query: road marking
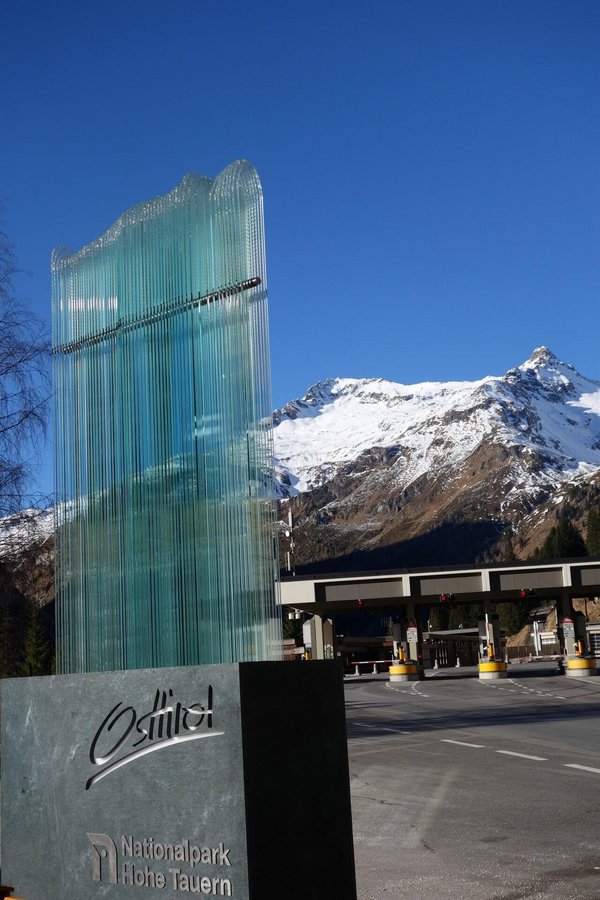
(584, 768)
(410, 692)
(523, 755)
(462, 743)
(380, 727)
(417, 691)
(534, 690)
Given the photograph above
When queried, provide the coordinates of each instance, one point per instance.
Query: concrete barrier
(404, 671)
(492, 669)
(581, 667)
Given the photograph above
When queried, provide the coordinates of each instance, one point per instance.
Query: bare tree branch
(24, 386)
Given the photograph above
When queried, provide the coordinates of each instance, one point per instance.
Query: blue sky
(430, 169)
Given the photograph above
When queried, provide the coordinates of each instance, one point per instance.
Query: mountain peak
(542, 357)
(546, 366)
(543, 354)
(544, 410)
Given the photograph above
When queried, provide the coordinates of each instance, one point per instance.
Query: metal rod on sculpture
(176, 306)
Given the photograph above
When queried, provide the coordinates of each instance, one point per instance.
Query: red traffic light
(360, 602)
(444, 598)
(526, 592)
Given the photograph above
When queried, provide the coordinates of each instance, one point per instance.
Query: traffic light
(526, 592)
(360, 603)
(446, 598)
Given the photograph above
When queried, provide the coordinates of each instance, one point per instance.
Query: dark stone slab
(213, 780)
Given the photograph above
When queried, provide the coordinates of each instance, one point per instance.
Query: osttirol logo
(170, 869)
(126, 733)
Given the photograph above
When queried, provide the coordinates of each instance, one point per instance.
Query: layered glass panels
(163, 463)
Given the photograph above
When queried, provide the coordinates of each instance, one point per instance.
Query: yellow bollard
(492, 668)
(580, 666)
(404, 671)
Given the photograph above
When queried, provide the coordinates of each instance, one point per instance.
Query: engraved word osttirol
(125, 736)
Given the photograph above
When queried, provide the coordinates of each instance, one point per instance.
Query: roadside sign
(412, 634)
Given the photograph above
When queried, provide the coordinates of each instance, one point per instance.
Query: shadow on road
(546, 709)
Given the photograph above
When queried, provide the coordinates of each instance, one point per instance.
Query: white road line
(399, 690)
(410, 692)
(534, 690)
(584, 768)
(462, 743)
(380, 727)
(523, 755)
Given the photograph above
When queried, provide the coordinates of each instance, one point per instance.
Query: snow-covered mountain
(25, 529)
(390, 461)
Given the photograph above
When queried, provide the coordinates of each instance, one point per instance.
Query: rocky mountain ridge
(368, 464)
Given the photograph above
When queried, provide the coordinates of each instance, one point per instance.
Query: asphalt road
(471, 789)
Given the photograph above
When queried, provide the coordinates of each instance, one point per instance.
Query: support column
(317, 638)
(564, 615)
(414, 637)
(396, 640)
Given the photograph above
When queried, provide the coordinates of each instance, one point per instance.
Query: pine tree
(513, 616)
(9, 655)
(455, 617)
(438, 618)
(592, 538)
(12, 615)
(507, 550)
(564, 542)
(292, 628)
(37, 651)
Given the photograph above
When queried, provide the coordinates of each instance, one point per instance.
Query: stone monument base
(219, 781)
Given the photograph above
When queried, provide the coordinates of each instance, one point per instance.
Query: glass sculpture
(166, 551)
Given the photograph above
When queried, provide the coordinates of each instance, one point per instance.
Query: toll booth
(582, 642)
(490, 638)
(575, 635)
